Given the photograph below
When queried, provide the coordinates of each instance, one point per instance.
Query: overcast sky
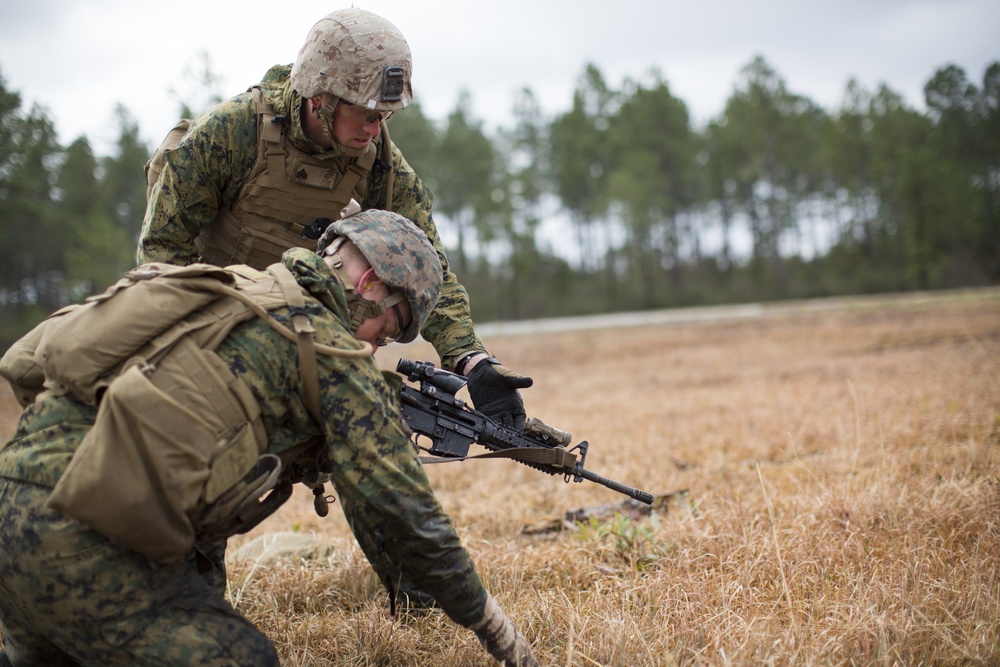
(78, 58)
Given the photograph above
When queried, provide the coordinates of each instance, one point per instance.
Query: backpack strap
(304, 333)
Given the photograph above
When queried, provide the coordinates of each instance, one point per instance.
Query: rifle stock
(433, 411)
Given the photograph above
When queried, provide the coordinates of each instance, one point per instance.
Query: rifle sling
(556, 457)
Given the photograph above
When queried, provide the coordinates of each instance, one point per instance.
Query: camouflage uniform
(70, 596)
(209, 168)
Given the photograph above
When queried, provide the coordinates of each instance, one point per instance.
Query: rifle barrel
(591, 476)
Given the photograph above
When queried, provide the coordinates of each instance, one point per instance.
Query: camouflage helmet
(358, 57)
(401, 255)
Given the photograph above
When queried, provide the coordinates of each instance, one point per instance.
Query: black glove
(493, 389)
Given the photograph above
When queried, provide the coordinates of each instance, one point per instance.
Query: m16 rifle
(435, 412)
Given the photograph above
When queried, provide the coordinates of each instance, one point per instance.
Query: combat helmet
(358, 57)
(402, 257)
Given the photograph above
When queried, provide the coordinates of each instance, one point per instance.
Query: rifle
(435, 412)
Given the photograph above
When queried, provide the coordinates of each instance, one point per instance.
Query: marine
(267, 169)
(72, 595)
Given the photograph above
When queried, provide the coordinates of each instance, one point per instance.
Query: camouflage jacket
(380, 484)
(210, 166)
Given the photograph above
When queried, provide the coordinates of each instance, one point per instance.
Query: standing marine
(268, 169)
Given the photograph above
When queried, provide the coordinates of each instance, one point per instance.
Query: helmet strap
(362, 309)
(325, 114)
(358, 307)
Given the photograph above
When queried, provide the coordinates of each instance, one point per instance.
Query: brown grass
(842, 469)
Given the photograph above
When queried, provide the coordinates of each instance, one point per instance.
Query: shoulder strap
(304, 334)
(387, 159)
(270, 151)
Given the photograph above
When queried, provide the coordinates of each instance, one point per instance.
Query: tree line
(617, 203)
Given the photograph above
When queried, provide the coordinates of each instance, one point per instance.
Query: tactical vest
(177, 450)
(286, 192)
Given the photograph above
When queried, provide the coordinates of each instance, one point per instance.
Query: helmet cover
(358, 57)
(401, 255)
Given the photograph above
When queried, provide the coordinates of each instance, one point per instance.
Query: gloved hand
(501, 639)
(493, 389)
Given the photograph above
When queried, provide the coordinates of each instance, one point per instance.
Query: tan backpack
(177, 445)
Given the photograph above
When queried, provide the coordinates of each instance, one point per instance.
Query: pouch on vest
(167, 442)
(81, 349)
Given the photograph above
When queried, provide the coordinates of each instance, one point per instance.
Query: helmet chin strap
(325, 115)
(359, 308)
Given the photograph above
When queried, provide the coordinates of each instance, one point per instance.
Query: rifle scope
(425, 371)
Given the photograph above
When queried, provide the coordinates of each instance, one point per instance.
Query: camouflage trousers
(69, 596)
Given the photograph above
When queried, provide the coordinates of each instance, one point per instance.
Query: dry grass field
(831, 483)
